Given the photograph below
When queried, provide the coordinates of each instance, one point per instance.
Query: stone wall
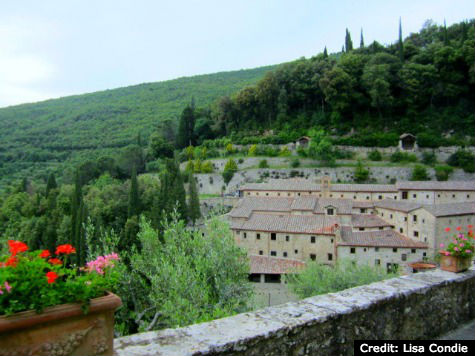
(417, 306)
(213, 182)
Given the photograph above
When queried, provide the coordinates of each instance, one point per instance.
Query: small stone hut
(407, 142)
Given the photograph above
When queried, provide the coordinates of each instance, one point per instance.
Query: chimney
(325, 186)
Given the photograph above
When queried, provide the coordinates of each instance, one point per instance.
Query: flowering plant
(39, 279)
(461, 245)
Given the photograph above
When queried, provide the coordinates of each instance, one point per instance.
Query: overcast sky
(53, 48)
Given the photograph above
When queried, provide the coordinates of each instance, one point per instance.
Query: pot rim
(29, 318)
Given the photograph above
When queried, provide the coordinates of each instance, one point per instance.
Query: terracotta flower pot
(61, 330)
(454, 263)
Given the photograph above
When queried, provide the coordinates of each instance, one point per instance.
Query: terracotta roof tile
(397, 205)
(451, 209)
(380, 238)
(434, 185)
(367, 220)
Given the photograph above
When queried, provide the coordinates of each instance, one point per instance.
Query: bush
(229, 169)
(263, 164)
(285, 152)
(419, 173)
(462, 159)
(240, 160)
(361, 174)
(375, 155)
(302, 152)
(295, 163)
(399, 156)
(429, 158)
(318, 278)
(443, 172)
(252, 150)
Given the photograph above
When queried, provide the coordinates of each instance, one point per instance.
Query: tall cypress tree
(186, 127)
(400, 43)
(325, 53)
(348, 42)
(172, 191)
(50, 183)
(134, 199)
(194, 212)
(446, 37)
(77, 216)
(361, 39)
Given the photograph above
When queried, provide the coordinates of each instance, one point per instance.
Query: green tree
(194, 212)
(361, 39)
(172, 192)
(443, 172)
(229, 169)
(186, 127)
(348, 42)
(134, 207)
(325, 52)
(159, 147)
(361, 173)
(320, 147)
(400, 46)
(50, 183)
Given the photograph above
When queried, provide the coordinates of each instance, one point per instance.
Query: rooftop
(451, 209)
(380, 238)
(366, 220)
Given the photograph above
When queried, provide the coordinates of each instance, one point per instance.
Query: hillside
(35, 137)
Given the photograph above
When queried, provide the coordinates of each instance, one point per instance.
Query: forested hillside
(424, 84)
(35, 137)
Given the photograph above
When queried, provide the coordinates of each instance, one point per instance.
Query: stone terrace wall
(418, 306)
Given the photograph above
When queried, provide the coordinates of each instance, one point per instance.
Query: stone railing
(417, 306)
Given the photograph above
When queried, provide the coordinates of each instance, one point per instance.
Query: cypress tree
(77, 217)
(325, 53)
(194, 212)
(186, 127)
(172, 191)
(348, 42)
(50, 183)
(446, 37)
(134, 199)
(400, 43)
(361, 39)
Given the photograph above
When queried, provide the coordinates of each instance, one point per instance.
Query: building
(426, 192)
(407, 142)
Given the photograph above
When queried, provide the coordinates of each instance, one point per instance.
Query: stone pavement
(464, 332)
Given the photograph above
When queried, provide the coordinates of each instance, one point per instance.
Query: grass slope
(36, 137)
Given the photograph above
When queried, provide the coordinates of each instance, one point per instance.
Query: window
(382, 214)
(354, 197)
(413, 250)
(367, 198)
(423, 221)
(257, 193)
(298, 194)
(278, 194)
(273, 253)
(312, 239)
(330, 211)
(287, 238)
(261, 252)
(296, 251)
(438, 195)
(248, 193)
(342, 196)
(414, 218)
(468, 196)
(416, 233)
(404, 195)
(395, 197)
(391, 216)
(362, 211)
(331, 240)
(352, 250)
(414, 196)
(424, 254)
(273, 236)
(364, 249)
(245, 235)
(267, 194)
(380, 197)
(381, 227)
(401, 230)
(331, 195)
(404, 257)
(361, 228)
(313, 256)
(376, 249)
(284, 254)
(394, 249)
(377, 262)
(453, 195)
(330, 257)
(288, 194)
(255, 277)
(258, 236)
(427, 196)
(405, 218)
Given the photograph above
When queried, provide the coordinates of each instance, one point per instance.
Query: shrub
(240, 160)
(295, 163)
(284, 152)
(419, 173)
(302, 152)
(229, 169)
(443, 172)
(252, 150)
(399, 156)
(361, 173)
(318, 278)
(375, 155)
(462, 159)
(263, 164)
(429, 158)
(230, 149)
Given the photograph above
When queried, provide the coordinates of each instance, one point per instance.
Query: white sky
(53, 48)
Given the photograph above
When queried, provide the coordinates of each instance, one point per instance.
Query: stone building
(407, 142)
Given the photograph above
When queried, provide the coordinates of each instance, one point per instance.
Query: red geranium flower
(55, 261)
(51, 276)
(66, 249)
(447, 229)
(459, 228)
(17, 246)
(12, 261)
(45, 254)
(470, 226)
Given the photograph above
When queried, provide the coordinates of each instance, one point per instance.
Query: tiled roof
(380, 238)
(304, 203)
(301, 185)
(300, 224)
(397, 205)
(451, 209)
(247, 205)
(363, 204)
(273, 265)
(434, 185)
(366, 220)
(343, 206)
(363, 188)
